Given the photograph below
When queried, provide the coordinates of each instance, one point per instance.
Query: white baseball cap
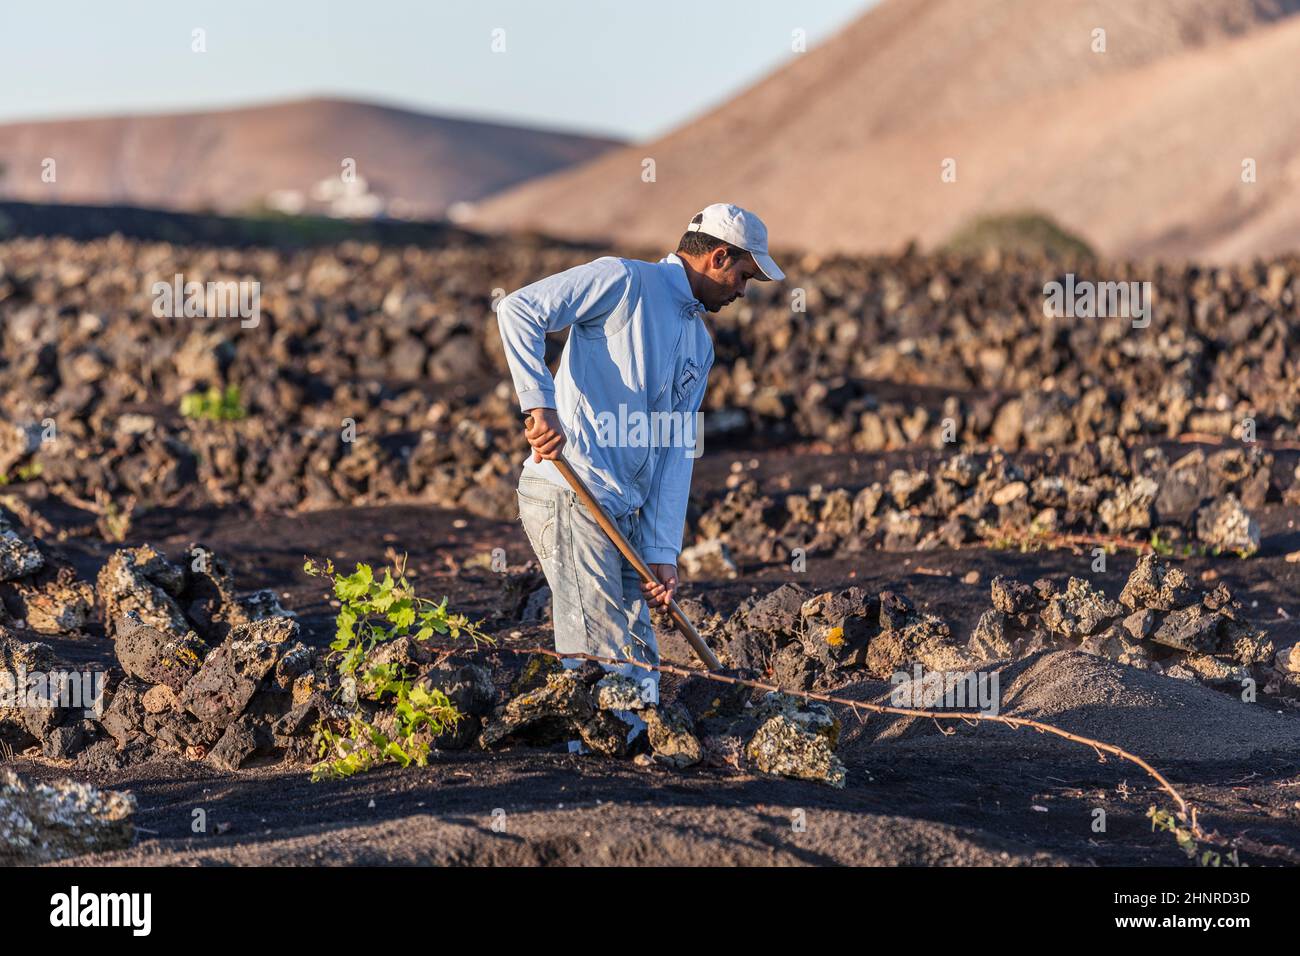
(740, 227)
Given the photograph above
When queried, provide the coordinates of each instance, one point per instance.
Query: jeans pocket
(538, 517)
(630, 525)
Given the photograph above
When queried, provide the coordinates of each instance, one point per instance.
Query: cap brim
(767, 266)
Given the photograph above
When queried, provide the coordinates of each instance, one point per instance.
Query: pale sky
(627, 68)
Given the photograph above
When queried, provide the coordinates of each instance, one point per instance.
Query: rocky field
(908, 470)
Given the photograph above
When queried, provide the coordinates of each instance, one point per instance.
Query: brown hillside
(1139, 149)
(230, 160)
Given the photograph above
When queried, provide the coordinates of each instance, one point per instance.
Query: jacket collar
(675, 271)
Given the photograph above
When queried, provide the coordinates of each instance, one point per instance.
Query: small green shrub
(1029, 234)
(215, 404)
(371, 611)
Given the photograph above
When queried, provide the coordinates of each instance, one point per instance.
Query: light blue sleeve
(586, 293)
(663, 516)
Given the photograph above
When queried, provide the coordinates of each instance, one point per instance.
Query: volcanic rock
(783, 746)
(793, 669)
(469, 688)
(238, 744)
(837, 626)
(1190, 628)
(1117, 644)
(1246, 646)
(18, 556)
(42, 822)
(123, 718)
(617, 692)
(813, 716)
(1139, 623)
(155, 656)
(546, 714)
(1227, 526)
(1183, 487)
(708, 559)
(181, 732)
(262, 604)
(1129, 509)
(232, 673)
(902, 531)
(906, 487)
(158, 699)
(537, 606)
(1154, 584)
(44, 695)
(605, 733)
(209, 595)
(143, 581)
(1013, 597)
(778, 612)
(1079, 611)
(1001, 636)
(671, 732)
(1215, 672)
(55, 602)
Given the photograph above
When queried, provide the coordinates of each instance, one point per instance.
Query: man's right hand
(546, 436)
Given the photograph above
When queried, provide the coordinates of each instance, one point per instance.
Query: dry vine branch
(1201, 438)
(1187, 813)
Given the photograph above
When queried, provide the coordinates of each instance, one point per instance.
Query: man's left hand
(661, 594)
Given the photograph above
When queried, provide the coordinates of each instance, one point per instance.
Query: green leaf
(344, 623)
(402, 614)
(421, 697)
(354, 586)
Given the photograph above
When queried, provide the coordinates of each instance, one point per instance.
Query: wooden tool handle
(625, 547)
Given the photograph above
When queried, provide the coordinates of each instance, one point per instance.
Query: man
(637, 348)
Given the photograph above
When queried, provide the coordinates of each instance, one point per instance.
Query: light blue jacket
(638, 346)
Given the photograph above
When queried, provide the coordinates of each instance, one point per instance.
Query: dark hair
(701, 244)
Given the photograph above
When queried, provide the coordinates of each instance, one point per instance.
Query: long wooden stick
(607, 525)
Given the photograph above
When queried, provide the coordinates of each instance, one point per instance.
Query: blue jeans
(597, 604)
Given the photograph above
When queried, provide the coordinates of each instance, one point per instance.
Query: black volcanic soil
(987, 795)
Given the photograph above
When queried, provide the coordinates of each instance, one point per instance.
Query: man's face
(725, 279)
